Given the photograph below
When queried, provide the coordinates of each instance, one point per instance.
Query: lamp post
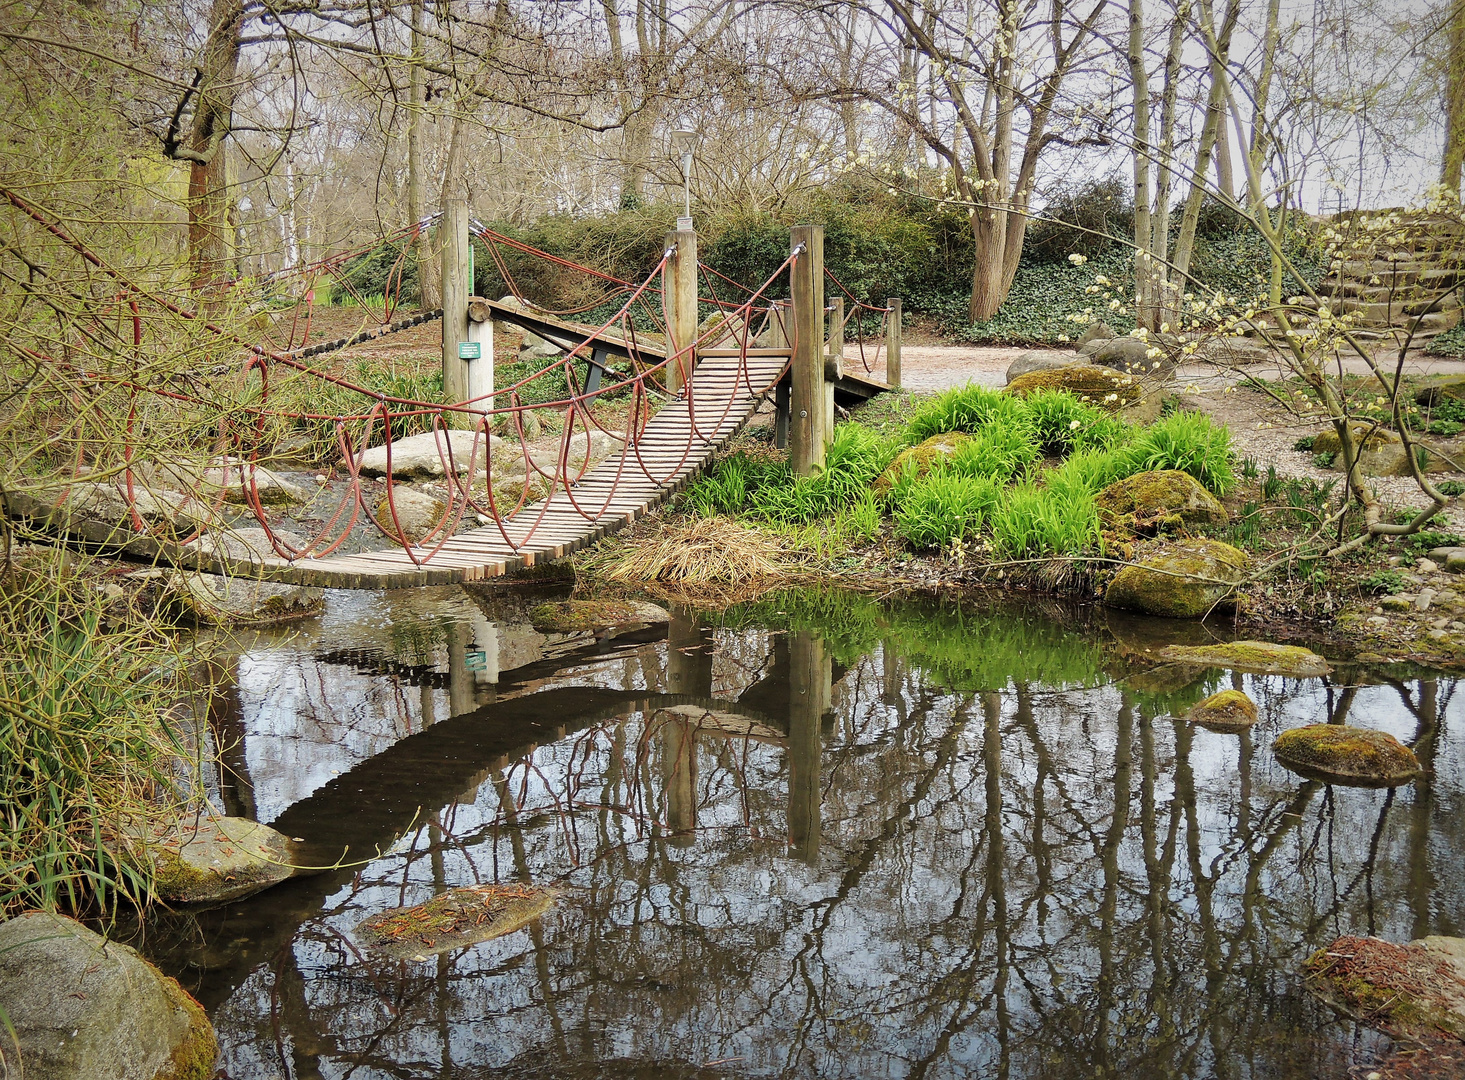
(685, 141)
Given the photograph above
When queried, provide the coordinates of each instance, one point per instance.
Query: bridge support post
(680, 301)
(892, 343)
(807, 429)
(480, 369)
(456, 288)
(833, 361)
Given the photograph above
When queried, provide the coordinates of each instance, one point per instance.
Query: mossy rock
(454, 920)
(1180, 580)
(1445, 389)
(1162, 498)
(921, 458)
(1101, 386)
(1256, 657)
(595, 616)
(1415, 991)
(212, 859)
(1380, 451)
(1227, 713)
(1357, 757)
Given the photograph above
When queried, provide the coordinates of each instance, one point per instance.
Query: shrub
(999, 451)
(1032, 522)
(1061, 423)
(966, 408)
(946, 506)
(1087, 471)
(1186, 441)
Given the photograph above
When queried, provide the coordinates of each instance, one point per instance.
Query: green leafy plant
(1186, 441)
(1304, 444)
(1383, 581)
(966, 408)
(1324, 460)
(946, 506)
(1034, 522)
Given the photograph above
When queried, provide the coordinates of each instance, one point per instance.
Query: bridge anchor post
(808, 429)
(456, 288)
(680, 300)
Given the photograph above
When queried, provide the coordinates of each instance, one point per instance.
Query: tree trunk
(1145, 311)
(429, 288)
(1454, 157)
(1212, 136)
(209, 229)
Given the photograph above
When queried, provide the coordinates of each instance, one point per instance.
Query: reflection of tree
(1017, 883)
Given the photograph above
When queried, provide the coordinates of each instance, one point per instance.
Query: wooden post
(892, 343)
(807, 434)
(680, 303)
(455, 303)
(480, 370)
(833, 361)
(775, 338)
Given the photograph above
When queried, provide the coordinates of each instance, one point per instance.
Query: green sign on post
(470, 350)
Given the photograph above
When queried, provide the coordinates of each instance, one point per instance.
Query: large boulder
(1256, 657)
(1227, 713)
(1162, 498)
(1181, 580)
(1096, 331)
(1099, 386)
(416, 512)
(83, 1008)
(1357, 757)
(240, 483)
(920, 459)
(1132, 356)
(422, 456)
(1040, 360)
(1445, 389)
(215, 600)
(454, 920)
(247, 546)
(595, 616)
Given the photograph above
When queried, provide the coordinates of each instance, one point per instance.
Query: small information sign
(475, 660)
(470, 350)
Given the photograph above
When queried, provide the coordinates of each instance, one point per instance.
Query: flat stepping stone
(456, 919)
(1256, 657)
(595, 616)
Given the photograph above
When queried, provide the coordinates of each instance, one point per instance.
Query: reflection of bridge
(688, 386)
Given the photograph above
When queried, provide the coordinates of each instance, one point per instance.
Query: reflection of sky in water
(1042, 883)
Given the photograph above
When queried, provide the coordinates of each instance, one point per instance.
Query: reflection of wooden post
(679, 777)
(809, 690)
(688, 655)
(455, 300)
(680, 301)
(890, 688)
(460, 679)
(807, 435)
(892, 343)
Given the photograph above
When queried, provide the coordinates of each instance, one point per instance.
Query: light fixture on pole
(685, 141)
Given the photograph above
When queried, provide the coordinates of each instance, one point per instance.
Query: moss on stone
(1257, 657)
(456, 918)
(1183, 579)
(1101, 386)
(1365, 436)
(195, 1055)
(1405, 990)
(593, 616)
(1159, 499)
(1347, 755)
(1228, 712)
(920, 459)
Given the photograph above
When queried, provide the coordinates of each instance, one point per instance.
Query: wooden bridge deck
(615, 492)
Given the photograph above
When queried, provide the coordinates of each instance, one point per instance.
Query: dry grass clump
(702, 551)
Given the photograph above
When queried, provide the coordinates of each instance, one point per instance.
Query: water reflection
(819, 837)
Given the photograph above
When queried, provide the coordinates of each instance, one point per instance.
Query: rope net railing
(516, 461)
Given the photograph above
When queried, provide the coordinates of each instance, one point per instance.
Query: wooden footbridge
(687, 389)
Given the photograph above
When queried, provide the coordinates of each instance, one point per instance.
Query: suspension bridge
(681, 387)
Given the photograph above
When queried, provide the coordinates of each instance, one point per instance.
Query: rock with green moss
(416, 512)
(1358, 757)
(920, 459)
(1183, 579)
(1227, 713)
(1256, 657)
(1452, 389)
(595, 616)
(1380, 451)
(1101, 386)
(211, 859)
(1414, 992)
(79, 1006)
(1159, 499)
(1039, 360)
(455, 919)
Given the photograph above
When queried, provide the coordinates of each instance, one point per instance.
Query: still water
(817, 835)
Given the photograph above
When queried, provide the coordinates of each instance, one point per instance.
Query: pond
(815, 835)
